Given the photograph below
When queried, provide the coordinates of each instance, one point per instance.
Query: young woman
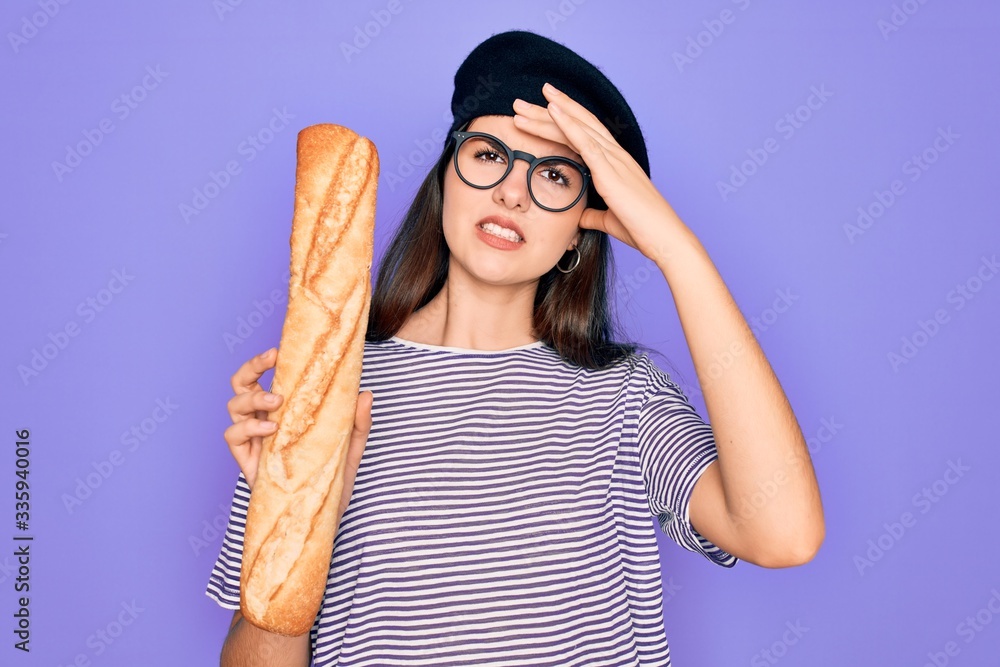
(515, 451)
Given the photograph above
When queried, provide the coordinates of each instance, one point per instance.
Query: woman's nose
(513, 189)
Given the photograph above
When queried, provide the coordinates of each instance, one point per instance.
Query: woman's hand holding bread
(249, 408)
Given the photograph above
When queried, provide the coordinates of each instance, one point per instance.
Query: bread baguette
(288, 540)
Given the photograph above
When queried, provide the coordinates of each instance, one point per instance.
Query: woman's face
(546, 235)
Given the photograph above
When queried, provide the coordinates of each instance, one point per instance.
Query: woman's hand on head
(637, 212)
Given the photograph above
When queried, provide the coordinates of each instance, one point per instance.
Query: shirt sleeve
(224, 582)
(676, 446)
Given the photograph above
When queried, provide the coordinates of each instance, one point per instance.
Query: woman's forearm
(249, 646)
(757, 434)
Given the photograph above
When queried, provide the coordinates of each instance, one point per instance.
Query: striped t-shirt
(502, 512)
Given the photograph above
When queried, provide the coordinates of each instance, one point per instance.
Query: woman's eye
(488, 155)
(554, 176)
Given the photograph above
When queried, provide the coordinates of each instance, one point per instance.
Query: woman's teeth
(502, 232)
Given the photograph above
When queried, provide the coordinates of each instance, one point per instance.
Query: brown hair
(571, 310)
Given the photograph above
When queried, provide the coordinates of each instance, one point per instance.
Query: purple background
(853, 299)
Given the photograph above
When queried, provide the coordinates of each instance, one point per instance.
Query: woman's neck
(474, 316)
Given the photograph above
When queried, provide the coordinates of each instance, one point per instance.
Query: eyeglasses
(555, 183)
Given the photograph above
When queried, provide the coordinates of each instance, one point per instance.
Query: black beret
(516, 64)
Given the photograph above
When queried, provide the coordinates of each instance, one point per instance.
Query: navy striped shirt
(502, 512)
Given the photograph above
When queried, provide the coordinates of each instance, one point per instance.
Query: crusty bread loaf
(290, 525)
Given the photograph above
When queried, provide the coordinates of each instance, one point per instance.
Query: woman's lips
(496, 241)
(506, 223)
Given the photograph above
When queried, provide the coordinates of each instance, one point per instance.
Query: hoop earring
(575, 264)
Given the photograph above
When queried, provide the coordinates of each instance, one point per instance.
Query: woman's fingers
(245, 439)
(245, 378)
(576, 110)
(537, 120)
(264, 427)
(243, 432)
(249, 409)
(243, 406)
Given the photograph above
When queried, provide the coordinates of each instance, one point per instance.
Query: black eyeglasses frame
(460, 137)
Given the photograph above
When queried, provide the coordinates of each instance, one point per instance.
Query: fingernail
(555, 107)
(268, 424)
(552, 88)
(264, 354)
(271, 398)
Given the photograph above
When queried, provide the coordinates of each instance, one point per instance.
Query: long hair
(571, 310)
